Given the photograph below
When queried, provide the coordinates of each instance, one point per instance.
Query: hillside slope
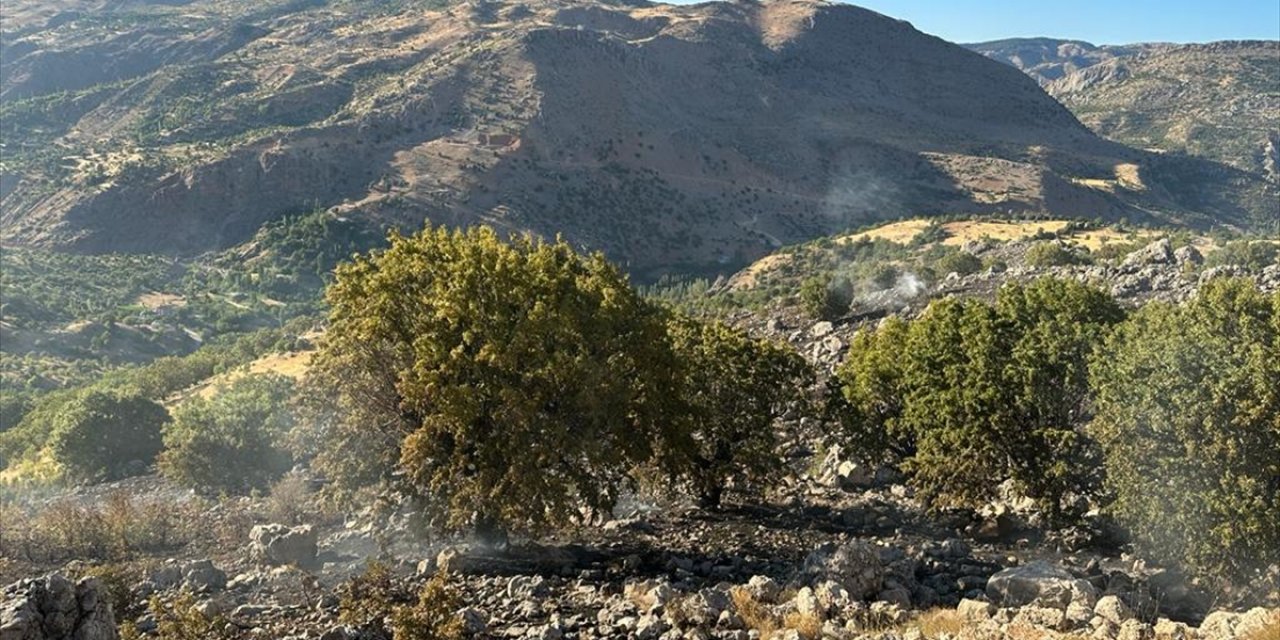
(1219, 100)
(672, 137)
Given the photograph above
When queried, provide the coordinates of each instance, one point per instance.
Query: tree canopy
(1188, 417)
(972, 394)
(505, 384)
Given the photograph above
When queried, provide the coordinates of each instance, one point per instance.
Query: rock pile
(54, 608)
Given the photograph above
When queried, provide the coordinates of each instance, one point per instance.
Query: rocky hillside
(1218, 100)
(673, 137)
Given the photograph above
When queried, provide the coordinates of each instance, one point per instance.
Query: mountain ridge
(691, 137)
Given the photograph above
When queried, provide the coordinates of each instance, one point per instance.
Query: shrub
(970, 395)
(98, 435)
(1253, 255)
(233, 441)
(179, 619)
(502, 384)
(825, 298)
(1051, 254)
(960, 262)
(368, 600)
(1188, 416)
(433, 617)
(733, 387)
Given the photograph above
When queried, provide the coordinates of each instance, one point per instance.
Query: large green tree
(971, 394)
(1188, 416)
(506, 384)
(733, 388)
(98, 434)
(233, 441)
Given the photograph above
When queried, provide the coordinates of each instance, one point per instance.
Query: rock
(278, 544)
(1188, 255)
(1113, 610)
(53, 608)
(474, 621)
(897, 595)
(1254, 621)
(1045, 617)
(1158, 252)
(821, 329)
(1042, 584)
(807, 603)
(202, 577)
(975, 609)
(854, 565)
(1219, 625)
(650, 627)
(763, 589)
(1167, 629)
(1134, 630)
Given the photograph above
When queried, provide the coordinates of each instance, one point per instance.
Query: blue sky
(1096, 21)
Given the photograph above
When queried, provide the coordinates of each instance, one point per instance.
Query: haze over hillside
(1219, 100)
(673, 137)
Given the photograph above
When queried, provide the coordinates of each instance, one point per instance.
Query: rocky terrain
(838, 550)
(841, 553)
(675, 138)
(1216, 100)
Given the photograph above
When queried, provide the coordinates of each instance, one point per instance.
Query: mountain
(674, 138)
(1219, 100)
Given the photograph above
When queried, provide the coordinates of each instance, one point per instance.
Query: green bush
(826, 298)
(960, 262)
(1253, 255)
(1188, 417)
(504, 384)
(970, 395)
(98, 435)
(733, 388)
(1052, 254)
(232, 442)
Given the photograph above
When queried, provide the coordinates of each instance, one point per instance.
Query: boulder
(278, 544)
(1041, 584)
(1158, 252)
(854, 565)
(1113, 609)
(54, 608)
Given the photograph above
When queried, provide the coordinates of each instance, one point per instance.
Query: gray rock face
(277, 544)
(853, 565)
(1158, 252)
(1041, 584)
(54, 608)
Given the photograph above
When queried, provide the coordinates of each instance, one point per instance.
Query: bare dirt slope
(672, 137)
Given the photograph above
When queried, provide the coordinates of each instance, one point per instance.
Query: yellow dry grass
(899, 232)
(156, 300)
(292, 364)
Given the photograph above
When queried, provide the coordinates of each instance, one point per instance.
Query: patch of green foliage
(98, 435)
(510, 385)
(1188, 418)
(972, 394)
(233, 442)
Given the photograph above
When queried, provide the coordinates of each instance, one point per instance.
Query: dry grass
(937, 623)
(809, 625)
(755, 614)
(119, 528)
